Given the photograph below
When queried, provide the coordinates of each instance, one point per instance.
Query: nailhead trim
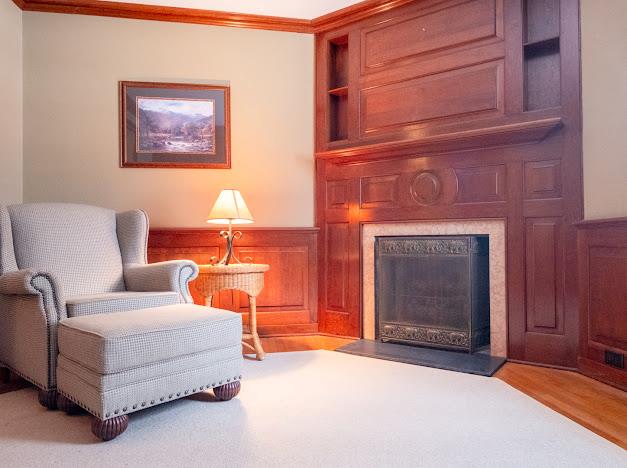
(143, 403)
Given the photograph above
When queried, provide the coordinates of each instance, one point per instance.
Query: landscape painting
(175, 125)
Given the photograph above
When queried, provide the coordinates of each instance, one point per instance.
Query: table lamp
(230, 208)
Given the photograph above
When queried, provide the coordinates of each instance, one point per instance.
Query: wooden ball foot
(48, 399)
(67, 405)
(228, 391)
(109, 429)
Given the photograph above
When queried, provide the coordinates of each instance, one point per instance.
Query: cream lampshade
(230, 208)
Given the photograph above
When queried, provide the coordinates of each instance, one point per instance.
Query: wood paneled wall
(288, 302)
(442, 110)
(602, 252)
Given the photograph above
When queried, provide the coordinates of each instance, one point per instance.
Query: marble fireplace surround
(494, 228)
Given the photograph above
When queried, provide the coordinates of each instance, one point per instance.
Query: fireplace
(433, 291)
(415, 326)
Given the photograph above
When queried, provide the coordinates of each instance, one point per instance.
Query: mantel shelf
(498, 135)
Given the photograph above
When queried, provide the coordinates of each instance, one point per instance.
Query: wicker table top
(233, 269)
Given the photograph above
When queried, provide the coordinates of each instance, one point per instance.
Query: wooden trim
(602, 223)
(170, 14)
(508, 134)
(203, 237)
(614, 377)
(323, 23)
(352, 13)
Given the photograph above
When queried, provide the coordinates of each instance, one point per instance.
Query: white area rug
(319, 409)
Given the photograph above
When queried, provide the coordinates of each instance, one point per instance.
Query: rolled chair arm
(33, 303)
(173, 275)
(32, 282)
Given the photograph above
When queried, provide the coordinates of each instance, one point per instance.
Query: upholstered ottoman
(115, 364)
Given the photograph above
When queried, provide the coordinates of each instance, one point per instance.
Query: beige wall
(10, 103)
(72, 65)
(604, 69)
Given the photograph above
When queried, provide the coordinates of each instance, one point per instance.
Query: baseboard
(538, 364)
(606, 374)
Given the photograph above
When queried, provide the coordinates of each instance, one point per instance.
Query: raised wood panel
(481, 184)
(337, 194)
(288, 302)
(286, 283)
(543, 179)
(475, 90)
(379, 191)
(607, 279)
(428, 31)
(337, 266)
(544, 272)
(602, 252)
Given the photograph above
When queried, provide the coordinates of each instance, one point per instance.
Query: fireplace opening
(433, 291)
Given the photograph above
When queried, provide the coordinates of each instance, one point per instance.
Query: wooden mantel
(530, 131)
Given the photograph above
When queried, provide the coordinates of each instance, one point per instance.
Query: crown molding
(170, 14)
(356, 12)
(321, 24)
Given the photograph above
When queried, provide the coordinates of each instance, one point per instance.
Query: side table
(246, 277)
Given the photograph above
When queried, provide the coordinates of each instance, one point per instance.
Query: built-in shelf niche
(338, 88)
(541, 49)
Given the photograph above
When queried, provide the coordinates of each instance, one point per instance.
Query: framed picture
(174, 125)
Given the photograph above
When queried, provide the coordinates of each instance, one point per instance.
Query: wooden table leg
(253, 328)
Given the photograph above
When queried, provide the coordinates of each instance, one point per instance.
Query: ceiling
(302, 9)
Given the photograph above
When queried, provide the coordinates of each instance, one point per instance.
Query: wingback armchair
(64, 260)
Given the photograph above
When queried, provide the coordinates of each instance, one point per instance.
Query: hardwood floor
(595, 405)
(279, 344)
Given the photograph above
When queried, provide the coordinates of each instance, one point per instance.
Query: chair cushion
(110, 343)
(118, 302)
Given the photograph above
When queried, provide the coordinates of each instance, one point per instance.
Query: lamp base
(229, 257)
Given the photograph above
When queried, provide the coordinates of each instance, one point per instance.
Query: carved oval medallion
(426, 188)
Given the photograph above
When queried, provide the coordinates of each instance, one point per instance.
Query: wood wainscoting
(602, 252)
(288, 303)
